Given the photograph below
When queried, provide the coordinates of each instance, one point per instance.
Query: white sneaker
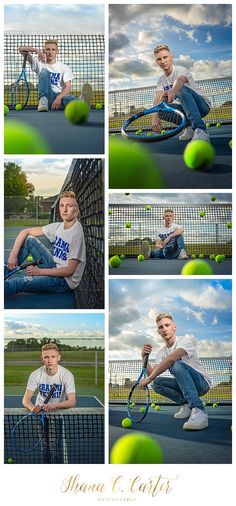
(187, 134)
(43, 104)
(86, 93)
(146, 250)
(184, 412)
(200, 134)
(198, 420)
(183, 254)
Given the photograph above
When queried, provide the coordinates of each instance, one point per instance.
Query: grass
(75, 356)
(25, 222)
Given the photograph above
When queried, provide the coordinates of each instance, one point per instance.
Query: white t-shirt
(164, 232)
(165, 83)
(60, 73)
(63, 378)
(191, 358)
(68, 244)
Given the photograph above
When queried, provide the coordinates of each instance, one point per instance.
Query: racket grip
(54, 386)
(145, 360)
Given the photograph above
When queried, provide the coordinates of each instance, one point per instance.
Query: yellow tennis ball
(98, 107)
(230, 143)
(213, 198)
(193, 256)
(115, 262)
(128, 225)
(29, 258)
(199, 154)
(202, 214)
(77, 112)
(148, 207)
(218, 125)
(157, 408)
(130, 167)
(196, 267)
(212, 256)
(153, 405)
(229, 224)
(140, 258)
(215, 405)
(138, 448)
(126, 422)
(142, 410)
(6, 110)
(18, 107)
(21, 139)
(10, 460)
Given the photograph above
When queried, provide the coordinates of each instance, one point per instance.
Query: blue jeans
(45, 90)
(194, 107)
(35, 284)
(158, 253)
(186, 387)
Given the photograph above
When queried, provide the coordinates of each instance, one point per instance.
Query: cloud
(214, 320)
(208, 38)
(117, 41)
(210, 348)
(198, 315)
(132, 67)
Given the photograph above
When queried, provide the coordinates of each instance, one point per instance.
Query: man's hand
(49, 407)
(36, 409)
(41, 55)
(156, 123)
(12, 262)
(165, 241)
(146, 350)
(168, 96)
(56, 103)
(33, 270)
(143, 383)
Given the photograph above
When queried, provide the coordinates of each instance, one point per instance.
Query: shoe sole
(182, 417)
(194, 427)
(43, 109)
(146, 252)
(86, 93)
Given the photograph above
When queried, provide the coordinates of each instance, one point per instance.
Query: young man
(170, 232)
(189, 380)
(178, 87)
(55, 77)
(43, 378)
(60, 272)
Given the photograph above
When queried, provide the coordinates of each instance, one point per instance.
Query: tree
(19, 193)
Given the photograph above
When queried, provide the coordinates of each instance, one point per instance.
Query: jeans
(194, 107)
(186, 387)
(35, 284)
(158, 253)
(45, 90)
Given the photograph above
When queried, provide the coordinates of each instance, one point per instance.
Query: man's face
(50, 359)
(169, 218)
(164, 59)
(51, 51)
(68, 209)
(166, 328)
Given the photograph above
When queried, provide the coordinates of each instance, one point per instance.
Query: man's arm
(69, 403)
(156, 123)
(26, 401)
(178, 84)
(61, 272)
(158, 243)
(66, 91)
(163, 366)
(30, 49)
(178, 231)
(13, 258)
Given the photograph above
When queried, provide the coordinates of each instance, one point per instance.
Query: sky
(200, 308)
(168, 198)
(46, 174)
(74, 328)
(67, 18)
(198, 35)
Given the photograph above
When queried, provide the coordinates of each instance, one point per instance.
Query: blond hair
(160, 48)
(168, 211)
(160, 316)
(49, 346)
(69, 194)
(51, 41)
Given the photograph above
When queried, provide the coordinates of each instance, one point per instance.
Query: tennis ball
(10, 460)
(138, 132)
(157, 408)
(128, 225)
(20, 139)
(18, 107)
(199, 154)
(133, 404)
(132, 168)
(98, 107)
(196, 267)
(115, 262)
(222, 257)
(215, 405)
(202, 214)
(142, 410)
(208, 125)
(138, 448)
(218, 125)
(153, 405)
(6, 110)
(229, 224)
(230, 144)
(213, 198)
(126, 422)
(77, 112)
(163, 132)
(201, 256)
(219, 259)
(122, 257)
(29, 258)
(212, 256)
(110, 211)
(140, 258)
(193, 256)
(148, 207)
(113, 135)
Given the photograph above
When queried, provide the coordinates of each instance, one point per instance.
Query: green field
(73, 356)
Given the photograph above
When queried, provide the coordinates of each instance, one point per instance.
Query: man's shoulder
(63, 65)
(180, 68)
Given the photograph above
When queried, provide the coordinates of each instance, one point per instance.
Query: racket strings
(28, 434)
(20, 93)
(138, 402)
(169, 121)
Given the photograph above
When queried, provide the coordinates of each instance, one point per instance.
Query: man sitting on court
(189, 379)
(178, 87)
(55, 77)
(169, 232)
(60, 272)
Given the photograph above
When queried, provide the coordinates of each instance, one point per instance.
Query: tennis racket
(20, 90)
(171, 250)
(139, 126)
(22, 267)
(28, 432)
(139, 399)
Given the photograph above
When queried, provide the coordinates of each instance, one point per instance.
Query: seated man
(60, 272)
(170, 232)
(55, 77)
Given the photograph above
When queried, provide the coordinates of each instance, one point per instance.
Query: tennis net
(84, 53)
(72, 436)
(126, 102)
(124, 373)
(206, 235)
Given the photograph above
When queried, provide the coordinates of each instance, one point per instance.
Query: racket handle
(145, 360)
(54, 386)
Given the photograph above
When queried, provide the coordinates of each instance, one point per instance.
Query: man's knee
(176, 367)
(182, 92)
(31, 241)
(157, 386)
